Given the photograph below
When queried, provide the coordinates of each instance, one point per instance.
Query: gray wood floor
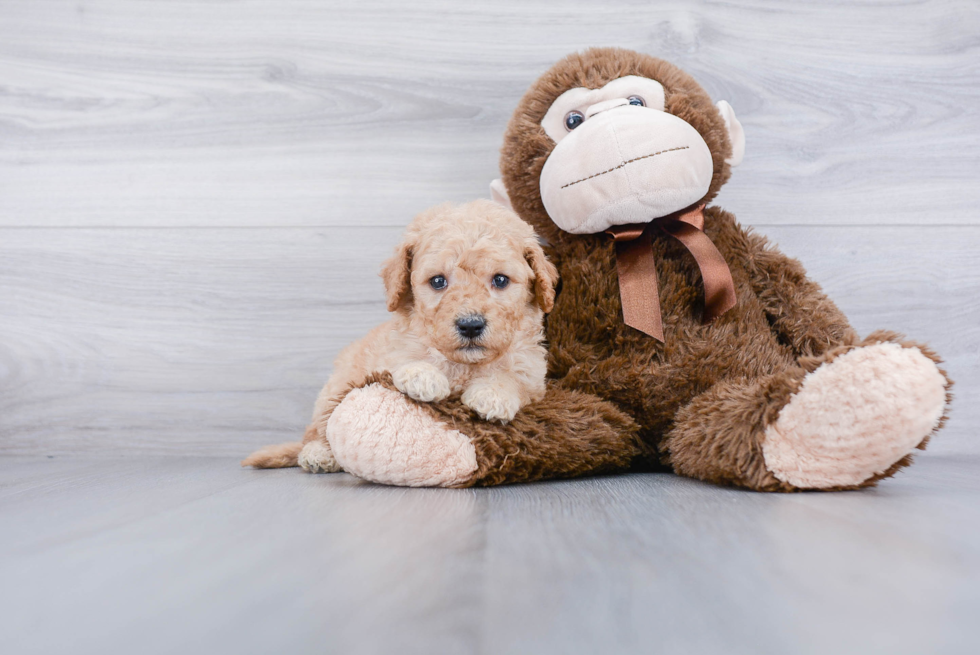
(185, 555)
(195, 198)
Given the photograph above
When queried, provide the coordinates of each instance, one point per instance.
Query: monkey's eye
(573, 119)
(500, 281)
(438, 282)
(637, 101)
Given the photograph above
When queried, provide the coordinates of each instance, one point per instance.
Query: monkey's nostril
(470, 327)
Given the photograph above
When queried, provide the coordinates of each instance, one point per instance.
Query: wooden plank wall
(195, 197)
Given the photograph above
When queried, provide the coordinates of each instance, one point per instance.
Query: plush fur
(393, 442)
(752, 399)
(495, 373)
(827, 437)
(526, 146)
(596, 438)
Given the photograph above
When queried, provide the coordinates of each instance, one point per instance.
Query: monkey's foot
(856, 416)
(378, 434)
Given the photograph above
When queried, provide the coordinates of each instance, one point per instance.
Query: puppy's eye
(438, 282)
(637, 101)
(500, 281)
(573, 119)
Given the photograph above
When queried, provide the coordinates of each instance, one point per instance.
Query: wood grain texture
(303, 112)
(195, 197)
(196, 556)
(173, 341)
(215, 341)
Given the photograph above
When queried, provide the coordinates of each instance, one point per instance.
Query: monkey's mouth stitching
(652, 154)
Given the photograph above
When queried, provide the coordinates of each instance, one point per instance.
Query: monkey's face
(627, 139)
(620, 157)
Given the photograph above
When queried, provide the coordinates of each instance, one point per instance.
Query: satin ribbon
(638, 272)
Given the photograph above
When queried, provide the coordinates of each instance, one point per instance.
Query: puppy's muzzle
(471, 327)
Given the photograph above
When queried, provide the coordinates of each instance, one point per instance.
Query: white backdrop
(195, 197)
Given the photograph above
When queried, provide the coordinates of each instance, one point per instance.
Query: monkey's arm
(380, 434)
(798, 309)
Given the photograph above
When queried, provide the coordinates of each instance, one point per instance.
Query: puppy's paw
(316, 457)
(421, 381)
(492, 403)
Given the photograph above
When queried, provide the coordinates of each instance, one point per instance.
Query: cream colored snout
(624, 164)
(605, 106)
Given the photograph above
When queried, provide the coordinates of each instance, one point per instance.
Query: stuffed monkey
(678, 338)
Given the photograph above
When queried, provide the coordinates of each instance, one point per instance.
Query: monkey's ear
(545, 275)
(735, 133)
(397, 276)
(498, 193)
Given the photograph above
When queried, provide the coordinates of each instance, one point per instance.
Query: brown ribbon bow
(638, 272)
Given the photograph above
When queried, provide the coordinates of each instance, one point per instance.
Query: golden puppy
(468, 286)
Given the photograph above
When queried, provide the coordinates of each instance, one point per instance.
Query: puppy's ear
(397, 276)
(545, 275)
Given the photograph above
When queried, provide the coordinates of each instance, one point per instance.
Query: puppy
(468, 286)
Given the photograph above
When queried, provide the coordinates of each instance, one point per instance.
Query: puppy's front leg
(421, 381)
(495, 398)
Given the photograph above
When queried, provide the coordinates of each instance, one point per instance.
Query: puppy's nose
(470, 327)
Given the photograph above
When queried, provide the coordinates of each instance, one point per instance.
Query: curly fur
(701, 402)
(495, 374)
